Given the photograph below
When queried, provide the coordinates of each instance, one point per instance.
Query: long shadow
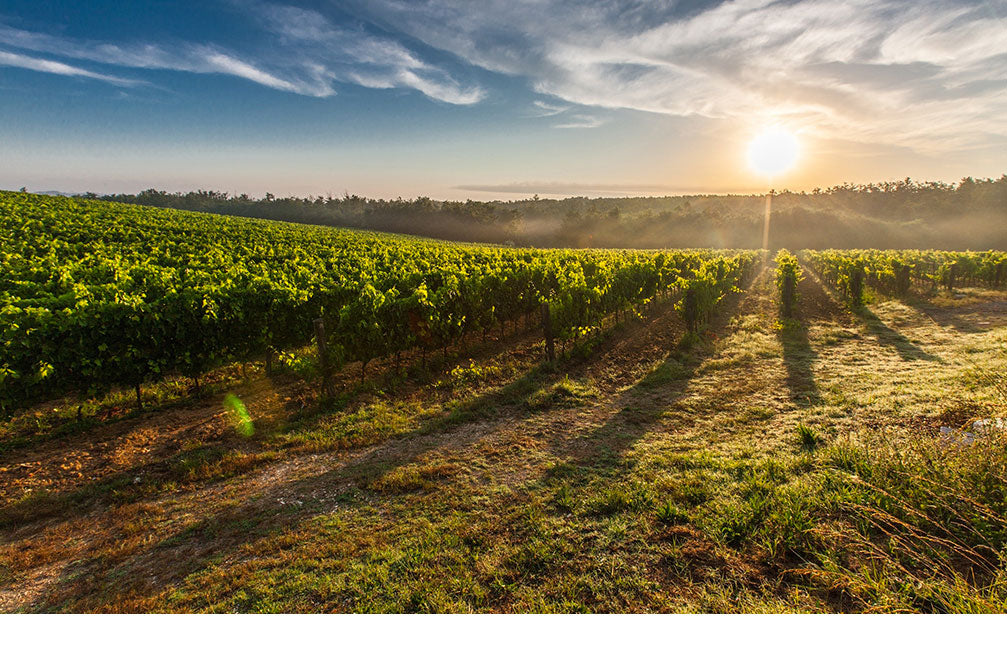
(100, 581)
(889, 337)
(644, 404)
(885, 335)
(968, 318)
(93, 495)
(799, 359)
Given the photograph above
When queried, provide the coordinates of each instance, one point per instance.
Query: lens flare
(773, 151)
(239, 416)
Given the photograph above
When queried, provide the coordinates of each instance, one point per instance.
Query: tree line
(896, 214)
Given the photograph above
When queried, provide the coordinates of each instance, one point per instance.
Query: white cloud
(571, 120)
(231, 66)
(303, 53)
(362, 58)
(55, 67)
(816, 63)
(581, 122)
(547, 110)
(929, 75)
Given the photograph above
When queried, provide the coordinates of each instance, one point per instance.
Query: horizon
(440, 99)
(509, 195)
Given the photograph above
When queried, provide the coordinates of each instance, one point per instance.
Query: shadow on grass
(799, 359)
(644, 405)
(119, 488)
(968, 318)
(103, 580)
(889, 337)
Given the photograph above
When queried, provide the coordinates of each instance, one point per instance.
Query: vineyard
(895, 272)
(99, 294)
(484, 428)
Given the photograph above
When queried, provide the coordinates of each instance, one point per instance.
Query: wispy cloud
(581, 122)
(928, 74)
(55, 67)
(359, 57)
(182, 57)
(301, 51)
(231, 66)
(570, 120)
(547, 110)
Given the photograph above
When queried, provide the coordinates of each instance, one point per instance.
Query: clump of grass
(565, 500)
(670, 370)
(895, 525)
(620, 499)
(414, 478)
(669, 513)
(809, 439)
(565, 392)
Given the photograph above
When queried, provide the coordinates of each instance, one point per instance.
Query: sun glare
(773, 151)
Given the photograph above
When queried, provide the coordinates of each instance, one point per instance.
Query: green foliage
(896, 272)
(97, 294)
(671, 514)
(788, 275)
(703, 287)
(471, 374)
(807, 436)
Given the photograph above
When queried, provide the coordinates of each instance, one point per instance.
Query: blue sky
(459, 98)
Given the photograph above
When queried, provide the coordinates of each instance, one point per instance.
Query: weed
(807, 436)
(470, 374)
(565, 500)
(565, 392)
(619, 499)
(671, 514)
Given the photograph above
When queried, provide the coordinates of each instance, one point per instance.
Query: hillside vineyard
(97, 294)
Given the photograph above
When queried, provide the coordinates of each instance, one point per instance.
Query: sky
(456, 99)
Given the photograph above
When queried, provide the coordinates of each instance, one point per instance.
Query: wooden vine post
(323, 356)
(550, 349)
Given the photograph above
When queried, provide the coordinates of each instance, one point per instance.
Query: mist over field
(971, 214)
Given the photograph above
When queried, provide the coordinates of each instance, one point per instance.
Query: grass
(563, 393)
(753, 470)
(808, 438)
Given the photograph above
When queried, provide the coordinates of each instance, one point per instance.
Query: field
(718, 431)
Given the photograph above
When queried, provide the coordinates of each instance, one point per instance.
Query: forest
(902, 214)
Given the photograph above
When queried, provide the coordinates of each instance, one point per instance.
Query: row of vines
(897, 272)
(788, 275)
(97, 294)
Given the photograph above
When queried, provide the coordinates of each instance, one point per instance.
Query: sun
(773, 151)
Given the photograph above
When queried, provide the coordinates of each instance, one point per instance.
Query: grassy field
(764, 465)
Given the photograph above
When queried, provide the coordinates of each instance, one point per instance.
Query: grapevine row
(788, 275)
(896, 272)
